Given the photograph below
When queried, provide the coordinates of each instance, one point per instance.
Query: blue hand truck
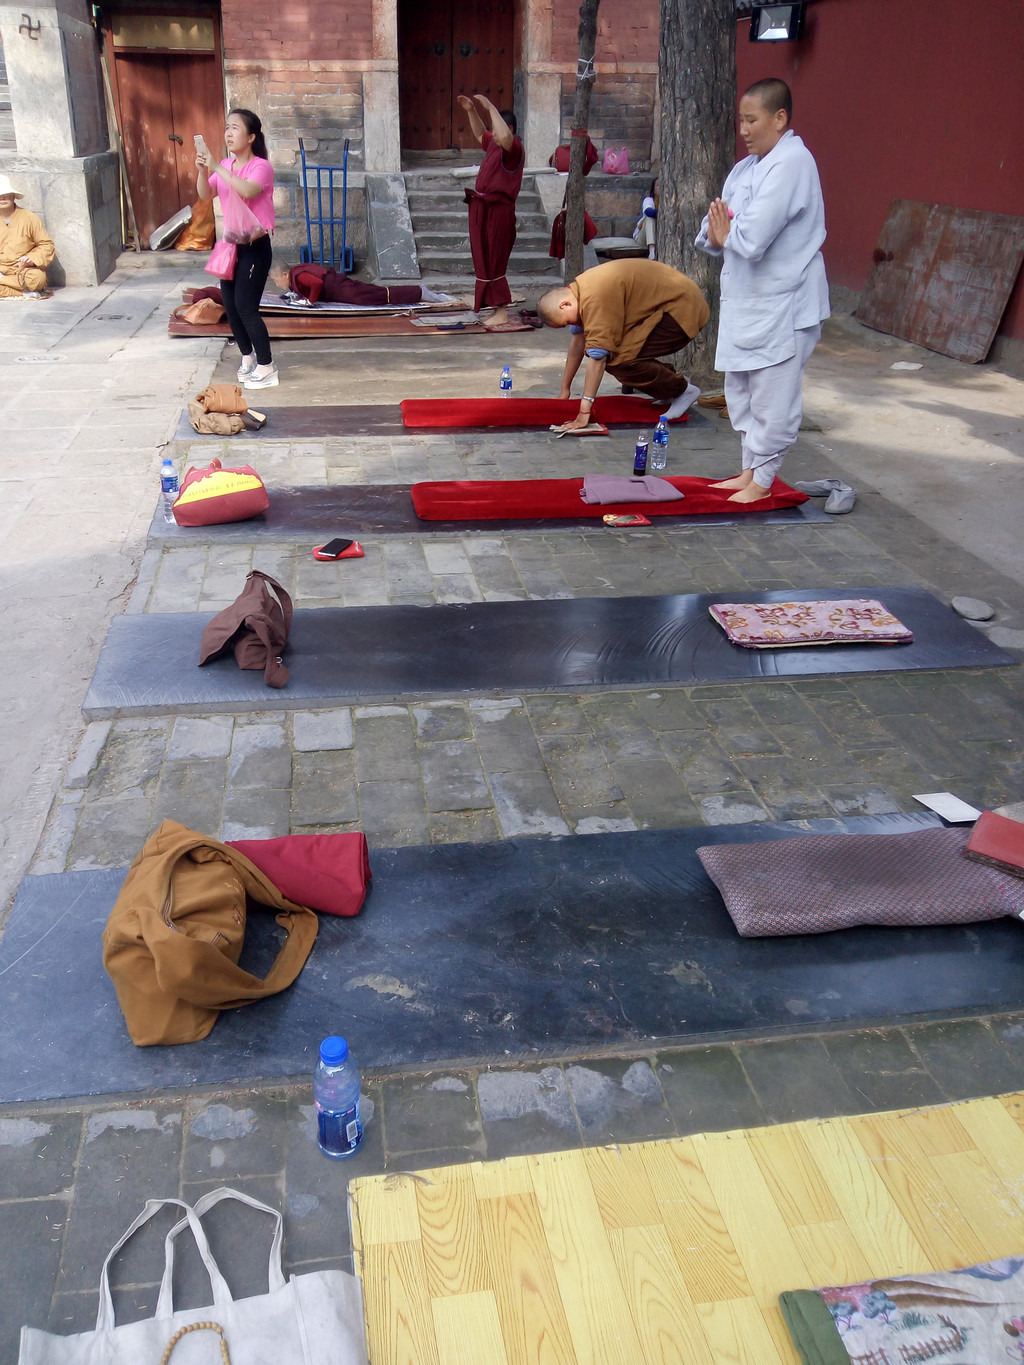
(327, 251)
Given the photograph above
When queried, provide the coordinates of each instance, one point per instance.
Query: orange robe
(24, 235)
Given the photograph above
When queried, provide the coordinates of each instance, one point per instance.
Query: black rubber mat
(339, 655)
(468, 952)
(317, 421)
(309, 422)
(316, 514)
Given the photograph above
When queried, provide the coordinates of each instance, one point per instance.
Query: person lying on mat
(768, 227)
(492, 206)
(322, 284)
(622, 316)
(25, 247)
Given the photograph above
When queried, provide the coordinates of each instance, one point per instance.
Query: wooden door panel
(197, 106)
(482, 41)
(144, 96)
(425, 99)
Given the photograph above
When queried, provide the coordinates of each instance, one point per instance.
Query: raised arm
(476, 125)
(500, 130)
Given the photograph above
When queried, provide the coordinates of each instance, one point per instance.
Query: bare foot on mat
(752, 493)
(740, 481)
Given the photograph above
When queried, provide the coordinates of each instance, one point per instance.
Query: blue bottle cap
(333, 1050)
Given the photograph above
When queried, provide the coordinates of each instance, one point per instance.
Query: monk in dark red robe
(492, 205)
(321, 284)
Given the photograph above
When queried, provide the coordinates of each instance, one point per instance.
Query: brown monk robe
(624, 315)
(25, 247)
(492, 203)
(321, 284)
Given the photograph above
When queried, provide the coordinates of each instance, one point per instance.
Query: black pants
(242, 298)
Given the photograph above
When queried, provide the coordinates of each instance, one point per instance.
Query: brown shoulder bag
(174, 936)
(256, 626)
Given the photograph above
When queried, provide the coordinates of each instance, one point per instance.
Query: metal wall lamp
(777, 23)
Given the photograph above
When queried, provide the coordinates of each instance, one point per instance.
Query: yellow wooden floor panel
(674, 1252)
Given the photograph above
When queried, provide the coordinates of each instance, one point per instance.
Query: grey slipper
(820, 488)
(841, 499)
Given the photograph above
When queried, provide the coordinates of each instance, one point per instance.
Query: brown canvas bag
(222, 398)
(214, 423)
(201, 313)
(256, 626)
(174, 936)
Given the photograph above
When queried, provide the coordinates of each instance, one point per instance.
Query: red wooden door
(449, 48)
(482, 39)
(163, 100)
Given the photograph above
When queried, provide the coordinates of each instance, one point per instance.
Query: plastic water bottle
(339, 1128)
(505, 383)
(168, 488)
(640, 458)
(659, 455)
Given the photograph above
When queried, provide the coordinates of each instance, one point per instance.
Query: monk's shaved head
(773, 95)
(549, 306)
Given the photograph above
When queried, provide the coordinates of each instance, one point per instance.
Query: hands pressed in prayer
(718, 222)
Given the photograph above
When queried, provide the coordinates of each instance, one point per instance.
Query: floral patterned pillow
(780, 625)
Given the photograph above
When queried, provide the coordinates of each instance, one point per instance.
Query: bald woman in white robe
(768, 226)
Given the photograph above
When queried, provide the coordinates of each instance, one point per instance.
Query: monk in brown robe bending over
(624, 315)
(492, 206)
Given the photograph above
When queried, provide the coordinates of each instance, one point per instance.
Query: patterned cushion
(811, 884)
(776, 625)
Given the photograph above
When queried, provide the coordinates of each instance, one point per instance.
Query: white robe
(773, 274)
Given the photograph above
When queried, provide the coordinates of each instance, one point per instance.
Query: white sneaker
(246, 368)
(262, 377)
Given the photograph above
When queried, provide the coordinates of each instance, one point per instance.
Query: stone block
(260, 757)
(324, 789)
(322, 730)
(452, 777)
(526, 804)
(253, 813)
(201, 737)
(88, 753)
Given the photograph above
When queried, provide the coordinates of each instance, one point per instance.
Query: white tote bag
(314, 1319)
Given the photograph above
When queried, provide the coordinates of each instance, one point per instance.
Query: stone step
(459, 222)
(457, 239)
(421, 202)
(460, 262)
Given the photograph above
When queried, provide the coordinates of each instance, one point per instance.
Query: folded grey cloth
(628, 488)
(840, 496)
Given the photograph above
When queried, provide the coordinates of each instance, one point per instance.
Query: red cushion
(449, 413)
(531, 499)
(327, 872)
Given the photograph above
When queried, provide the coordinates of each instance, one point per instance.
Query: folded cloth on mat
(961, 1317)
(818, 882)
(606, 488)
(997, 842)
(327, 872)
(776, 625)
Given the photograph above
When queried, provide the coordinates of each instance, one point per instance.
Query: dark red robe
(492, 219)
(321, 284)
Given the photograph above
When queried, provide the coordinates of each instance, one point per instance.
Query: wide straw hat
(7, 188)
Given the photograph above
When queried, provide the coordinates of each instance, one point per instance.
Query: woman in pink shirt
(247, 171)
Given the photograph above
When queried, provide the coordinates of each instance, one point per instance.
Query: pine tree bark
(575, 195)
(697, 76)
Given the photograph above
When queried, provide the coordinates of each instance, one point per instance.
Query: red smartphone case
(354, 551)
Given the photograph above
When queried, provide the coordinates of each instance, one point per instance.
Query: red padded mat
(533, 499)
(450, 413)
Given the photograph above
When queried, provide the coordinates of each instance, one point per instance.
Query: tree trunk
(575, 196)
(697, 76)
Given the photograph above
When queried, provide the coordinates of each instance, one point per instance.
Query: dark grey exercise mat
(311, 421)
(338, 655)
(317, 514)
(319, 420)
(466, 952)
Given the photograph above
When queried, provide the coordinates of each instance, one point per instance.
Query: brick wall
(627, 31)
(622, 114)
(298, 30)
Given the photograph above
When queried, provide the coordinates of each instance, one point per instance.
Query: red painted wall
(911, 99)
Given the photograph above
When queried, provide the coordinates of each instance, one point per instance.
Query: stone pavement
(74, 1174)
